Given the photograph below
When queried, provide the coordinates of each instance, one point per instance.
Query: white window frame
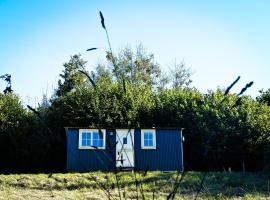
(154, 138)
(91, 138)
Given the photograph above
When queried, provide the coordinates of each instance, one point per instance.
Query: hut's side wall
(168, 153)
(89, 159)
(166, 157)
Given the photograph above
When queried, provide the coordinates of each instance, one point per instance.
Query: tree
(71, 76)
(264, 97)
(180, 75)
(135, 68)
(11, 112)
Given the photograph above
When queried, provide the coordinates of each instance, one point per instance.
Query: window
(148, 139)
(125, 140)
(92, 139)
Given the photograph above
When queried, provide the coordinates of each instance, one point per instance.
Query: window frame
(154, 139)
(91, 139)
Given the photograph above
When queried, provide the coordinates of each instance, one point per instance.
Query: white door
(125, 148)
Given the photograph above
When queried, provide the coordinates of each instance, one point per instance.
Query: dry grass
(97, 184)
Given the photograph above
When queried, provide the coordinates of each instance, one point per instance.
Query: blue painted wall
(89, 160)
(168, 153)
(166, 157)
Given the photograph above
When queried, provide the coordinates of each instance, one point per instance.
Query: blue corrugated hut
(90, 149)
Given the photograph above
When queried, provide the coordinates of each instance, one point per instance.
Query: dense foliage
(132, 91)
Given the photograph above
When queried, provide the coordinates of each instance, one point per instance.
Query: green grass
(89, 185)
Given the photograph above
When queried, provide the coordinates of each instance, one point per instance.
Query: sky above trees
(218, 40)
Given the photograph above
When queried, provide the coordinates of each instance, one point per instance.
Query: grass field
(98, 185)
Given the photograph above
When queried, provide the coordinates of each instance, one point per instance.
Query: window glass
(84, 143)
(97, 139)
(146, 143)
(146, 135)
(125, 140)
(86, 138)
(148, 139)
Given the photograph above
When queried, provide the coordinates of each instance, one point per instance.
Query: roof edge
(83, 127)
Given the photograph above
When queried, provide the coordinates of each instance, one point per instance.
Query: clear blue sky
(219, 40)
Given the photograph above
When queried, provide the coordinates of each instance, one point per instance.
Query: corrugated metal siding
(89, 159)
(166, 157)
